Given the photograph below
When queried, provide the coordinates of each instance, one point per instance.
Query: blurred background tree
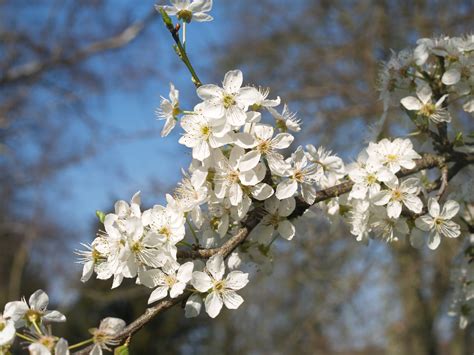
(74, 78)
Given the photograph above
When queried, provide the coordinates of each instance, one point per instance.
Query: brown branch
(428, 161)
(33, 69)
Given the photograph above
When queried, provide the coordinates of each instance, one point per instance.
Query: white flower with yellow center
(231, 101)
(104, 335)
(399, 194)
(221, 291)
(286, 120)
(367, 177)
(187, 10)
(240, 175)
(168, 225)
(331, 166)
(169, 111)
(265, 145)
(203, 134)
(439, 223)
(173, 278)
(386, 228)
(301, 173)
(33, 312)
(395, 154)
(275, 220)
(425, 107)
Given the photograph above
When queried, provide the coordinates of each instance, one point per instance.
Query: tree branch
(33, 69)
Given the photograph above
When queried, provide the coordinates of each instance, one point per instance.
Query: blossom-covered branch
(246, 185)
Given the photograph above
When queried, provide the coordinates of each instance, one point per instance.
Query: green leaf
(458, 140)
(122, 350)
(100, 215)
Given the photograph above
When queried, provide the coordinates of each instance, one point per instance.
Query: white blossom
(275, 220)
(35, 311)
(169, 111)
(398, 194)
(301, 173)
(204, 134)
(439, 223)
(188, 10)
(104, 335)
(367, 176)
(231, 101)
(286, 120)
(395, 154)
(424, 106)
(221, 291)
(173, 278)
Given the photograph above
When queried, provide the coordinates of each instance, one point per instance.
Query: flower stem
(82, 343)
(185, 244)
(192, 231)
(37, 328)
(24, 337)
(180, 50)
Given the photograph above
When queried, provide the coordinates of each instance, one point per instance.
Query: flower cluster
(409, 76)
(31, 321)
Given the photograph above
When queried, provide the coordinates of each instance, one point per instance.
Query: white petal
(381, 198)
(177, 289)
(451, 77)
(213, 304)
(236, 116)
(158, 294)
(61, 347)
(232, 81)
(450, 209)
(7, 334)
(286, 229)
(433, 207)
(236, 280)
(202, 17)
(54, 316)
(450, 229)
(215, 265)
(201, 151)
(209, 91)
(87, 271)
(413, 203)
(286, 189)
(193, 306)
(201, 281)
(425, 223)
(249, 160)
(282, 141)
(39, 300)
(232, 300)
(434, 241)
(244, 140)
(185, 272)
(286, 207)
(235, 194)
(394, 208)
(262, 233)
(262, 191)
(411, 103)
